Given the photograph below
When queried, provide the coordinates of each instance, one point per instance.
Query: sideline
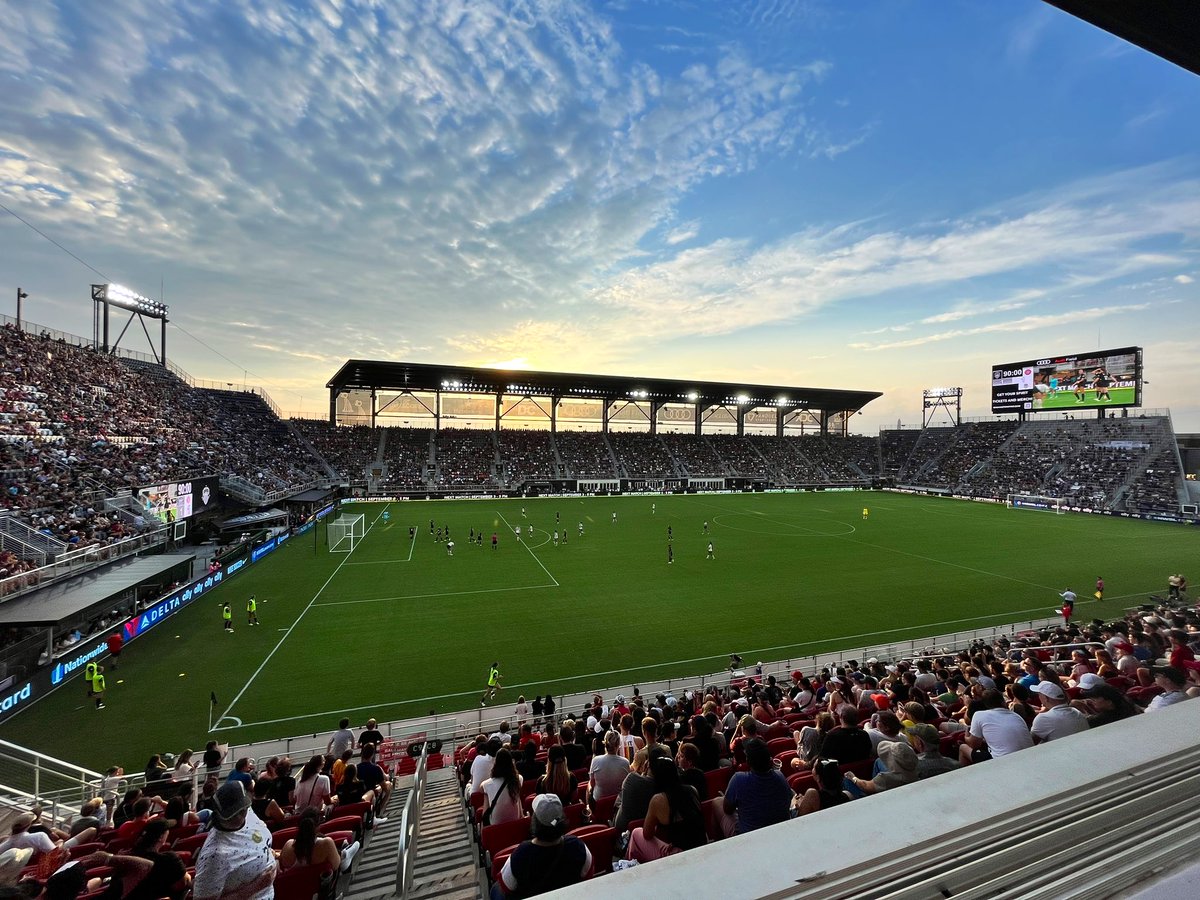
(267, 658)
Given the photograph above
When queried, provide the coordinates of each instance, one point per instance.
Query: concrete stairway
(447, 861)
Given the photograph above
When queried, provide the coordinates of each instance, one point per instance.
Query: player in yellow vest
(493, 684)
(90, 671)
(866, 512)
(98, 690)
(251, 611)
(227, 615)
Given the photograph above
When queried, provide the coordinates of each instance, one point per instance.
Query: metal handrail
(71, 563)
(410, 828)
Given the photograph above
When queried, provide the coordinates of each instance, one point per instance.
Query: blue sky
(886, 196)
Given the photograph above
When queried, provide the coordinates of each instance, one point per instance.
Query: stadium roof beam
(1166, 28)
(405, 377)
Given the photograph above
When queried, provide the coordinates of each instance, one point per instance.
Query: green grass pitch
(398, 628)
(1065, 399)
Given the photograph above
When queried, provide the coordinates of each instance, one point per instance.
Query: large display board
(1102, 378)
(178, 500)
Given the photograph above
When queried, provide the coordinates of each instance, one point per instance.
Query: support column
(333, 406)
(437, 410)
(162, 343)
(779, 417)
(374, 404)
(699, 420)
(554, 401)
(824, 423)
(655, 406)
(741, 420)
(604, 417)
(499, 403)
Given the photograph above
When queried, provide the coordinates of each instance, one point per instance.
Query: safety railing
(410, 828)
(29, 778)
(78, 561)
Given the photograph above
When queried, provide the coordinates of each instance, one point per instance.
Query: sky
(885, 196)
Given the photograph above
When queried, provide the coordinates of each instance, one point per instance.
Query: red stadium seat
(493, 838)
(709, 808)
(353, 824)
(574, 814)
(785, 761)
(802, 781)
(718, 780)
(190, 844)
(499, 859)
(362, 809)
(602, 810)
(282, 836)
(778, 745)
(602, 841)
(299, 883)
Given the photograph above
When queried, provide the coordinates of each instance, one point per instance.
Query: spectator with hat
(236, 862)
(1058, 719)
(549, 861)
(926, 741)
(1105, 702)
(899, 762)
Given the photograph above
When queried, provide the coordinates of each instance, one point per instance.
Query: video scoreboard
(1101, 378)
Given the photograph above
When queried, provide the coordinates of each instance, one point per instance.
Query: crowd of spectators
(762, 749)
(407, 454)
(585, 454)
(465, 458)
(895, 447)
(741, 458)
(641, 454)
(787, 460)
(527, 454)
(971, 444)
(694, 455)
(349, 449)
(1156, 488)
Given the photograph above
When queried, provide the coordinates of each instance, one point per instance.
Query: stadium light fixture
(693, 396)
(119, 295)
(742, 398)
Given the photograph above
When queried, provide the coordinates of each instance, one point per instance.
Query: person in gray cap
(552, 860)
(236, 862)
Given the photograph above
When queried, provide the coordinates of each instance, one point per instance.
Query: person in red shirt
(1180, 651)
(131, 828)
(116, 643)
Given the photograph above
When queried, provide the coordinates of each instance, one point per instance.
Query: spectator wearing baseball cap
(926, 741)
(1103, 702)
(552, 859)
(236, 861)
(1058, 719)
(1172, 682)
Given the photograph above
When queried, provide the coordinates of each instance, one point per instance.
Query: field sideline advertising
(1096, 380)
(21, 694)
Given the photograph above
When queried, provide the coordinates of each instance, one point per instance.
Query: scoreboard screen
(1103, 378)
(178, 500)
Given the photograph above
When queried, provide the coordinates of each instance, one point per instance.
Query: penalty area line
(532, 587)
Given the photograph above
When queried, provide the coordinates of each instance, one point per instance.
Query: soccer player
(518, 531)
(614, 517)
(449, 548)
(493, 684)
(90, 671)
(653, 508)
(431, 527)
(227, 615)
(438, 539)
(706, 526)
(412, 532)
(1101, 383)
(251, 611)
(1079, 387)
(670, 536)
(555, 537)
(866, 512)
(711, 553)
(1099, 588)
(471, 536)
(581, 529)
(98, 689)
(479, 538)
(495, 540)
(670, 554)
(522, 512)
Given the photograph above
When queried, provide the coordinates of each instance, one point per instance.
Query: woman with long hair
(352, 790)
(558, 779)
(308, 848)
(312, 791)
(502, 792)
(264, 804)
(674, 819)
(810, 739)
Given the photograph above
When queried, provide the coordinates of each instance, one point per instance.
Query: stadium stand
(740, 456)
(641, 455)
(586, 454)
(465, 458)
(408, 457)
(348, 449)
(694, 456)
(527, 455)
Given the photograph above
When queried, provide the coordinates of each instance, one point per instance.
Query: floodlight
(742, 398)
(693, 396)
(119, 295)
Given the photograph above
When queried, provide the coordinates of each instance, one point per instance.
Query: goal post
(345, 532)
(1036, 501)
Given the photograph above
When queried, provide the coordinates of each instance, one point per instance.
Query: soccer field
(399, 627)
(1064, 398)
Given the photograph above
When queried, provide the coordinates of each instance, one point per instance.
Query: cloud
(1183, 279)
(1027, 323)
(683, 233)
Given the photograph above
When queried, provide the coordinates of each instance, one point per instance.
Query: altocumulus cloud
(417, 164)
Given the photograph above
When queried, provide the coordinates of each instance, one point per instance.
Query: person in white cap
(1058, 719)
(551, 860)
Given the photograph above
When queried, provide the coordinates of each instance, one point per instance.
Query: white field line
(532, 587)
(680, 662)
(531, 553)
(267, 658)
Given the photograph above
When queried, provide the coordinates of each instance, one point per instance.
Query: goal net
(345, 532)
(1036, 501)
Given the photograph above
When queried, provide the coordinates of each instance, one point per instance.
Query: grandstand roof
(364, 374)
(1167, 28)
(62, 600)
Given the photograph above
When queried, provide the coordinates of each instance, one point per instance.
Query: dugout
(62, 626)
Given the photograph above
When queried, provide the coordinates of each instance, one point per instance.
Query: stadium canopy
(1167, 28)
(739, 397)
(63, 601)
